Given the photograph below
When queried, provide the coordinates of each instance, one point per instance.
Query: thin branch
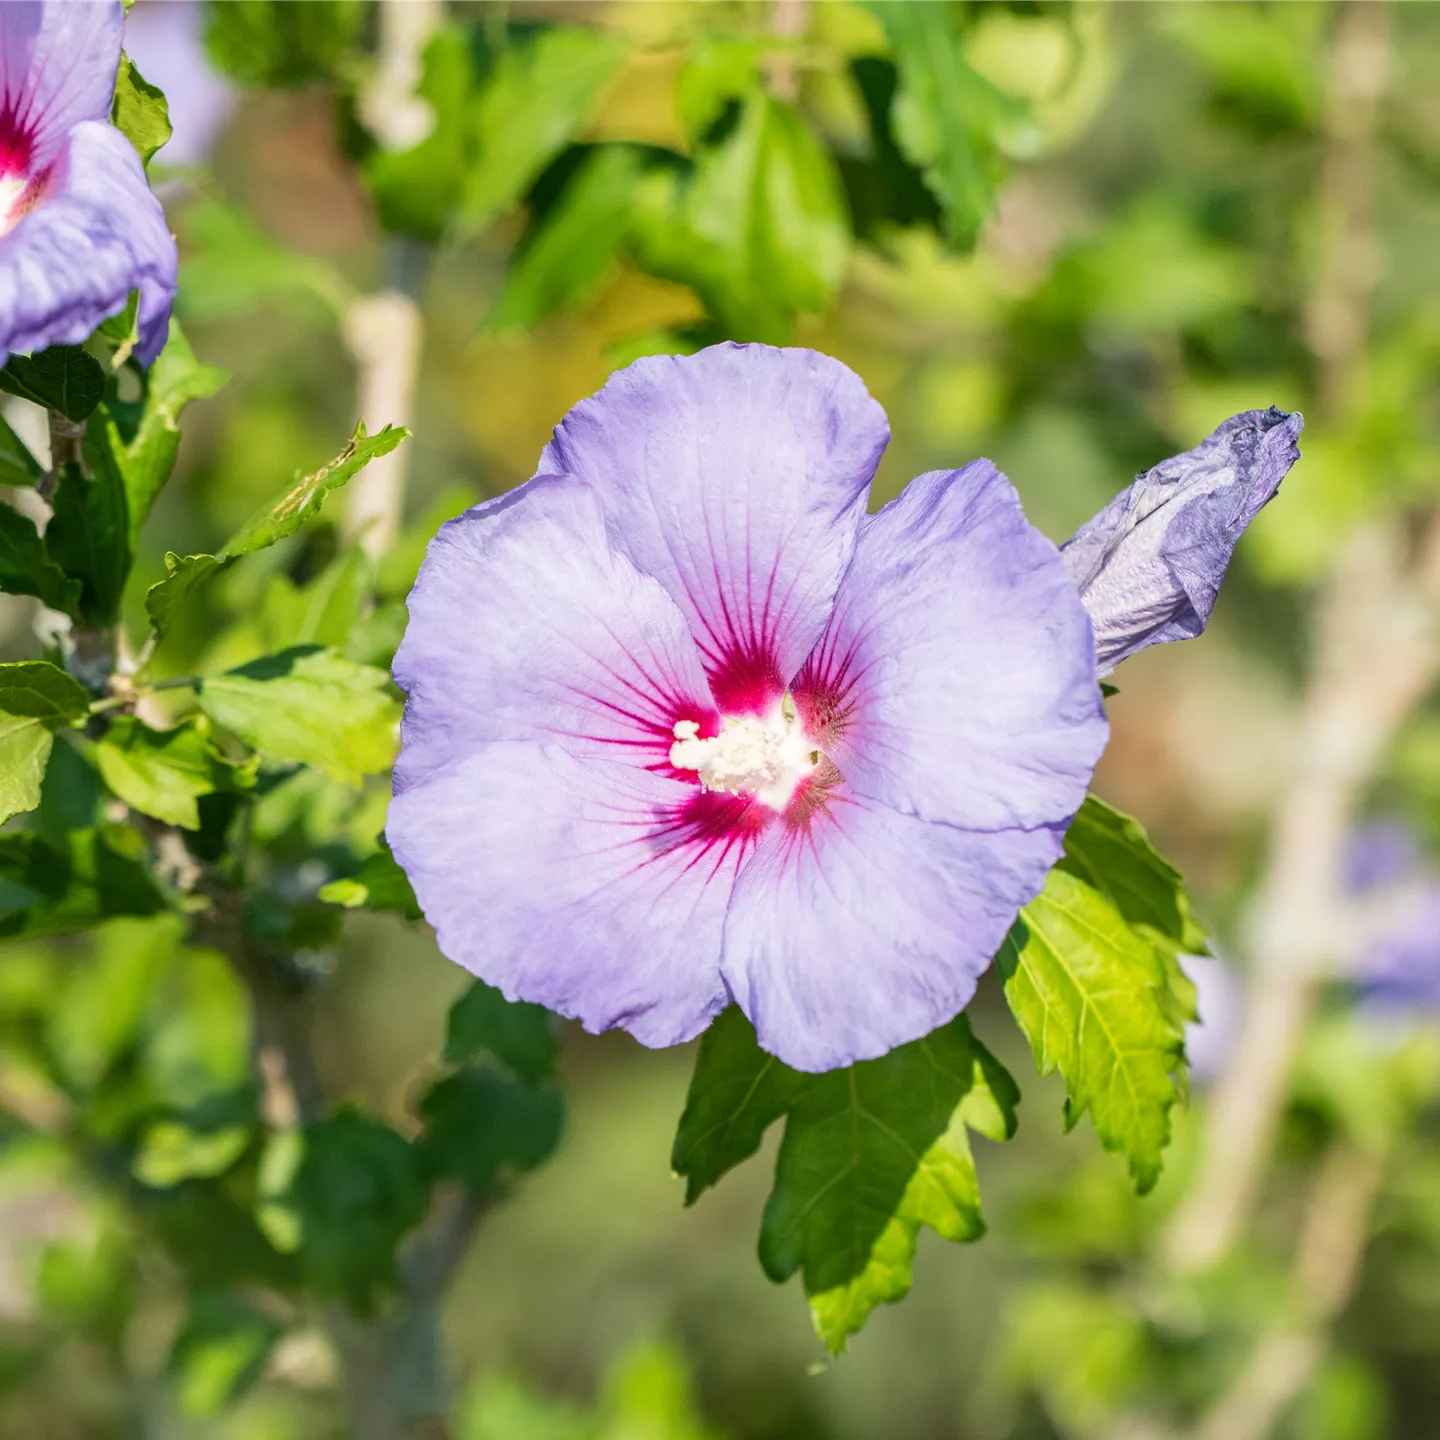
(1375, 655)
(1327, 1264)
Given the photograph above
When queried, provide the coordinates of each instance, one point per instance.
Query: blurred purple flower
(1210, 1038)
(79, 228)
(1149, 565)
(1400, 971)
(163, 38)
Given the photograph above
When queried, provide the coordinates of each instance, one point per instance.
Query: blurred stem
(788, 19)
(383, 333)
(1377, 651)
(1327, 1265)
(1350, 258)
(1374, 656)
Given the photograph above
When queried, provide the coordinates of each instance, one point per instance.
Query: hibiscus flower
(685, 725)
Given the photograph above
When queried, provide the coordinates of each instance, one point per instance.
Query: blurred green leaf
(99, 1013)
(309, 705)
(498, 1407)
(575, 244)
(648, 1394)
(758, 229)
(1092, 994)
(198, 1044)
(63, 378)
(164, 772)
(220, 1351)
(231, 266)
(122, 331)
(171, 1152)
(286, 43)
(479, 1123)
(140, 112)
(401, 564)
(417, 190)
(538, 96)
(357, 1190)
(36, 698)
(26, 567)
(716, 71)
(871, 1153)
(521, 1036)
(946, 116)
(380, 885)
(17, 465)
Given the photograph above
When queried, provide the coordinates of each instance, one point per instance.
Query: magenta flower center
(20, 191)
(765, 756)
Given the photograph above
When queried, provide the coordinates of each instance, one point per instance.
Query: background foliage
(269, 1166)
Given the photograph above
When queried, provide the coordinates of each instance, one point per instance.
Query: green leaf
(1092, 994)
(100, 1011)
(122, 331)
(171, 1152)
(871, 1153)
(183, 574)
(26, 567)
(357, 1189)
(36, 698)
(716, 72)
(519, 1035)
(287, 515)
(219, 1352)
(947, 117)
(759, 229)
(285, 43)
(309, 705)
(575, 244)
(417, 190)
(175, 379)
(89, 533)
(537, 98)
(17, 465)
(24, 752)
(232, 266)
(63, 378)
(164, 772)
(1111, 852)
(44, 691)
(140, 112)
(380, 885)
(479, 1123)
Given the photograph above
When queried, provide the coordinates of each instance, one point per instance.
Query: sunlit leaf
(380, 885)
(1092, 993)
(164, 772)
(759, 229)
(140, 112)
(309, 705)
(946, 115)
(36, 698)
(536, 99)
